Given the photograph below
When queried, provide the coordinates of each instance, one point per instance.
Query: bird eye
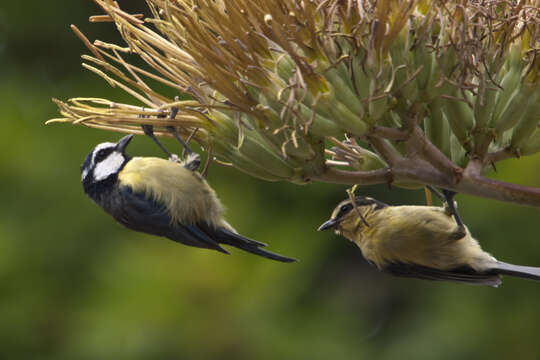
(101, 155)
(344, 209)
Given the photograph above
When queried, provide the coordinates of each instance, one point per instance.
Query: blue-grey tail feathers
(527, 272)
(227, 237)
(464, 274)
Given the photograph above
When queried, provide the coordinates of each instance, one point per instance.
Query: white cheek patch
(111, 165)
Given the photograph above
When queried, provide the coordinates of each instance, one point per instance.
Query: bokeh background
(76, 285)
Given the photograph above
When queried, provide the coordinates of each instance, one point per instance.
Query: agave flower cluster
(345, 91)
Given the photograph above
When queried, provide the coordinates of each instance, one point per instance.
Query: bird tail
(528, 272)
(228, 237)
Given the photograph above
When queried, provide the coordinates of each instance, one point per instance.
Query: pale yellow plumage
(185, 193)
(422, 235)
(423, 242)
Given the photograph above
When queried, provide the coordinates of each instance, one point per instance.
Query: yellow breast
(187, 196)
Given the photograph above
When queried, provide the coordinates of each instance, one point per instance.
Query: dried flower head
(425, 92)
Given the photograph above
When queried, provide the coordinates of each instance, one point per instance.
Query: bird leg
(350, 192)
(437, 193)
(192, 160)
(149, 131)
(172, 130)
(447, 197)
(451, 206)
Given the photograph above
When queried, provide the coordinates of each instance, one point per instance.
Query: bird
(420, 242)
(163, 198)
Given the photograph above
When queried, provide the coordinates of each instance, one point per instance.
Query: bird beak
(123, 143)
(328, 225)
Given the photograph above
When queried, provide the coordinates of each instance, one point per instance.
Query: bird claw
(192, 162)
(448, 209)
(175, 158)
(389, 177)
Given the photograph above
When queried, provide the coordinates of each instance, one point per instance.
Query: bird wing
(141, 213)
(462, 274)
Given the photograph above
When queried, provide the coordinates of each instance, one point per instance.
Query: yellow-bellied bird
(419, 241)
(161, 197)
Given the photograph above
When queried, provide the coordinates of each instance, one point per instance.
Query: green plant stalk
(376, 108)
(529, 120)
(483, 112)
(320, 127)
(284, 67)
(369, 160)
(322, 124)
(343, 117)
(361, 79)
(252, 148)
(393, 120)
(458, 153)
(421, 58)
(265, 134)
(512, 114)
(532, 146)
(436, 128)
(255, 148)
(460, 118)
(347, 95)
(240, 162)
(510, 84)
(344, 75)
(316, 166)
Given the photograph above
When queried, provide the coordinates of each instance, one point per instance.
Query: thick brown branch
(337, 176)
(385, 150)
(388, 133)
(498, 190)
(474, 167)
(500, 155)
(423, 173)
(433, 155)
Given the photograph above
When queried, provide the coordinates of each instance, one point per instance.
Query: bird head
(103, 163)
(345, 218)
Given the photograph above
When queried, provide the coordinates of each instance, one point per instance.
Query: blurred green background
(76, 285)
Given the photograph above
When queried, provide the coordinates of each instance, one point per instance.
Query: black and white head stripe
(346, 206)
(360, 201)
(105, 160)
(364, 200)
(98, 156)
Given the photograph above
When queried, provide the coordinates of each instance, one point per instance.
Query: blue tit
(161, 197)
(419, 241)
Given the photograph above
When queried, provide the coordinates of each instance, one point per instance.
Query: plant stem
(422, 172)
